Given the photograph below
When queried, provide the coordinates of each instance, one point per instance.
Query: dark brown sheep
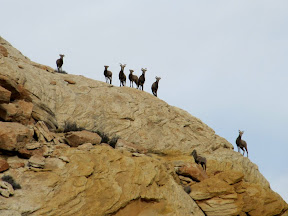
(133, 78)
(199, 160)
(241, 144)
(107, 74)
(141, 79)
(154, 86)
(122, 76)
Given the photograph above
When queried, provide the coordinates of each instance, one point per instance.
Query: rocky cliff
(76, 146)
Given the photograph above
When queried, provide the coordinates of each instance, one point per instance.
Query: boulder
(4, 95)
(36, 161)
(17, 111)
(76, 138)
(6, 189)
(42, 132)
(3, 165)
(193, 171)
(13, 136)
(25, 153)
(18, 92)
(69, 81)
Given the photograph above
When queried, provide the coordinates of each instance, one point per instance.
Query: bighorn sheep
(133, 78)
(59, 62)
(241, 144)
(154, 86)
(107, 74)
(122, 76)
(199, 160)
(141, 79)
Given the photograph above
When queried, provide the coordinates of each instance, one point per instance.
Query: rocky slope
(149, 172)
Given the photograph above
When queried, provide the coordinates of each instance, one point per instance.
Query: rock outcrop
(150, 170)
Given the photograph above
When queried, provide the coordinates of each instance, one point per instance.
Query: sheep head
(157, 78)
(122, 66)
(194, 153)
(241, 132)
(143, 70)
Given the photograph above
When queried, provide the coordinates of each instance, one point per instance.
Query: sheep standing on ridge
(107, 74)
(122, 76)
(141, 79)
(241, 144)
(154, 86)
(59, 62)
(199, 160)
(133, 78)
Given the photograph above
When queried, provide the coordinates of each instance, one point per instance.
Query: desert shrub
(104, 136)
(71, 126)
(10, 180)
(113, 141)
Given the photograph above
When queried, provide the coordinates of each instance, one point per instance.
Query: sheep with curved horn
(122, 76)
(199, 160)
(141, 79)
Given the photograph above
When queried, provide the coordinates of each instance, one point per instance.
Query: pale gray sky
(223, 61)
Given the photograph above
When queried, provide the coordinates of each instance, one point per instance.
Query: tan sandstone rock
(13, 135)
(76, 138)
(42, 132)
(100, 182)
(4, 95)
(194, 171)
(3, 165)
(17, 111)
(6, 189)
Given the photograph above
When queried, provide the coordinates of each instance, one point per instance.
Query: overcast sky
(223, 61)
